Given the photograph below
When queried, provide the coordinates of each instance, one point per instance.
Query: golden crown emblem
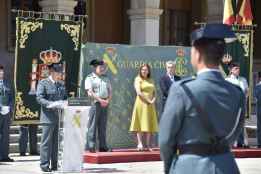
(111, 50)
(50, 56)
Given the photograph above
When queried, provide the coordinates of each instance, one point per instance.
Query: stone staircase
(14, 138)
(14, 135)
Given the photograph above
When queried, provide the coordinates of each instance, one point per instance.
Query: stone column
(145, 16)
(215, 11)
(58, 6)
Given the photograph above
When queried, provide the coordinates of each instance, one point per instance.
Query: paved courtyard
(30, 165)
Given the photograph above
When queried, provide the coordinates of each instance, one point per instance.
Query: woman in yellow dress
(144, 117)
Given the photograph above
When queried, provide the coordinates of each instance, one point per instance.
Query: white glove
(62, 104)
(53, 104)
(5, 110)
(57, 104)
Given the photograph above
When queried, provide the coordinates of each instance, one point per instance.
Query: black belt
(203, 149)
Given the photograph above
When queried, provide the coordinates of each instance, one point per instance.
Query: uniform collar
(233, 76)
(207, 70)
(211, 74)
(95, 75)
(170, 76)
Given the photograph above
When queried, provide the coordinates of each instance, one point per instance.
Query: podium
(72, 138)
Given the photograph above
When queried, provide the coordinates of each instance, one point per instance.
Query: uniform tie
(57, 85)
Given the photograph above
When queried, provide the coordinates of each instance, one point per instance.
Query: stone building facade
(141, 22)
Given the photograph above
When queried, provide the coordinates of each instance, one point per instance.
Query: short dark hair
(211, 49)
(1, 67)
(145, 65)
(233, 64)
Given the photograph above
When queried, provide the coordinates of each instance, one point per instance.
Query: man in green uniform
(98, 88)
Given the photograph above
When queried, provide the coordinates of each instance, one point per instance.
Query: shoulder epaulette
(237, 87)
(185, 80)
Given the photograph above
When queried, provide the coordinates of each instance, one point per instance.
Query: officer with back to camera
(202, 116)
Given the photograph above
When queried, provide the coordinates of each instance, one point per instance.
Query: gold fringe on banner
(49, 15)
(235, 26)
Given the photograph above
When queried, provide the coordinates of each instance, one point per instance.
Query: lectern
(72, 135)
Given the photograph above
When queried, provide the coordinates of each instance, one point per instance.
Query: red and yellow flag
(228, 16)
(237, 12)
(245, 16)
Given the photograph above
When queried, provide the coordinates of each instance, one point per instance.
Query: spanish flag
(245, 16)
(229, 16)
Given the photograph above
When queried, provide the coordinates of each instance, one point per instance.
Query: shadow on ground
(103, 170)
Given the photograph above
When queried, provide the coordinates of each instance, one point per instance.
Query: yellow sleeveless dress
(144, 116)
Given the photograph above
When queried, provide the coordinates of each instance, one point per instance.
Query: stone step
(16, 129)
(15, 135)
(14, 138)
(14, 147)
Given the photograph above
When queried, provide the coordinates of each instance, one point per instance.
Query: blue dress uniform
(241, 82)
(6, 99)
(30, 130)
(258, 105)
(49, 91)
(193, 108)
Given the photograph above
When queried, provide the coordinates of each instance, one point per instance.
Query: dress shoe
(149, 149)
(54, 168)
(92, 150)
(245, 146)
(22, 154)
(105, 150)
(140, 147)
(46, 169)
(7, 160)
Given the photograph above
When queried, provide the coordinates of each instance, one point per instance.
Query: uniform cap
(214, 31)
(96, 62)
(56, 67)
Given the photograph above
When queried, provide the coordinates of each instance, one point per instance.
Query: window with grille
(176, 28)
(179, 27)
(26, 5)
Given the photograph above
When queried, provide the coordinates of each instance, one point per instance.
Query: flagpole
(251, 72)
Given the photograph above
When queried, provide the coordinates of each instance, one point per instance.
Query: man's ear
(197, 55)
